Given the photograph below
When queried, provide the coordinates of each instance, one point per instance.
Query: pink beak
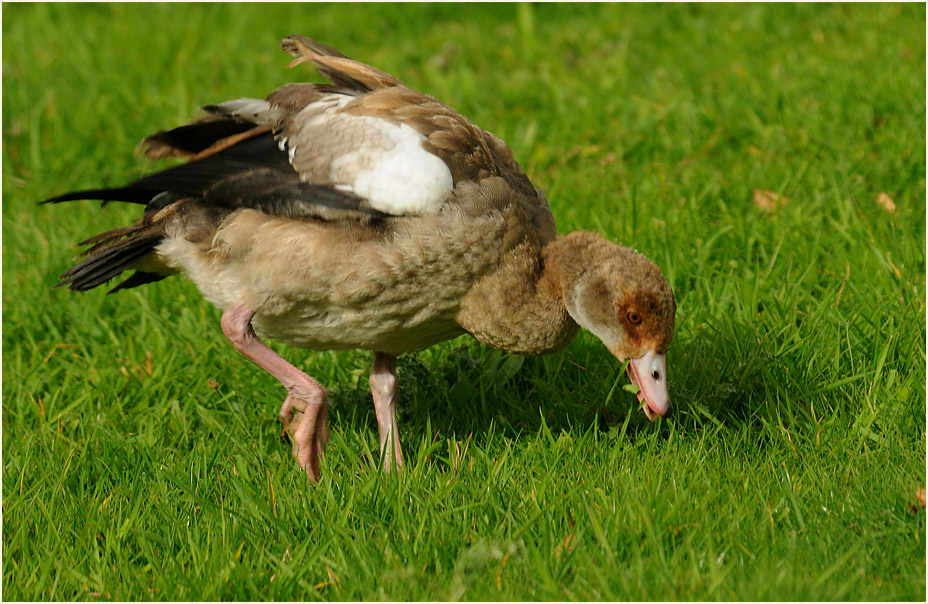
(649, 373)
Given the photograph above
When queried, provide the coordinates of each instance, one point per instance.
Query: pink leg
(383, 387)
(310, 433)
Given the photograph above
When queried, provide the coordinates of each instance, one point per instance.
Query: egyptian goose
(364, 214)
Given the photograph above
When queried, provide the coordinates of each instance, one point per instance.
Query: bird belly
(374, 327)
(314, 287)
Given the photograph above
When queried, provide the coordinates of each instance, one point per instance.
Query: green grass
(141, 457)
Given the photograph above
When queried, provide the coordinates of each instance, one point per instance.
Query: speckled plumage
(280, 220)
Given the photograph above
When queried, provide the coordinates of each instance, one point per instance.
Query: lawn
(770, 158)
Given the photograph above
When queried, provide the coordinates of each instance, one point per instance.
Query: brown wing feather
(468, 151)
(337, 67)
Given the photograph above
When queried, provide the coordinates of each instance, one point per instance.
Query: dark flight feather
(253, 174)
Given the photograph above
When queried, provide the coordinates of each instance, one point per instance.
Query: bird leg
(310, 432)
(383, 387)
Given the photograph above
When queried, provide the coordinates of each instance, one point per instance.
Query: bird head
(622, 298)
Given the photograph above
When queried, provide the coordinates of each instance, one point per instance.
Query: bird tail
(117, 250)
(110, 254)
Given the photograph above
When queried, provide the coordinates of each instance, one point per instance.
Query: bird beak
(649, 373)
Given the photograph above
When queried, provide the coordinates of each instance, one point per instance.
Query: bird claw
(285, 415)
(307, 426)
(309, 437)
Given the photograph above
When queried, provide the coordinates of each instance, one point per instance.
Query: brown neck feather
(520, 307)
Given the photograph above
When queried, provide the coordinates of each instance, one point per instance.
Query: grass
(141, 458)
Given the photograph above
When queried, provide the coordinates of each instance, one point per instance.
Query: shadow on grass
(721, 376)
(468, 389)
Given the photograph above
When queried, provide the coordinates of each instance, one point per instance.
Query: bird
(362, 214)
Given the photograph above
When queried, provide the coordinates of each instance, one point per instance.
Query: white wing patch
(406, 179)
(378, 160)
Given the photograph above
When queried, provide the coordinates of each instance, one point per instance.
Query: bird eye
(634, 318)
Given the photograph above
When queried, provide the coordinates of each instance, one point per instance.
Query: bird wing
(359, 150)
(365, 134)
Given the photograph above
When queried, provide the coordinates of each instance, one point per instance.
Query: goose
(362, 214)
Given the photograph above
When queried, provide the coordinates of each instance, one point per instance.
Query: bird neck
(519, 308)
(566, 262)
